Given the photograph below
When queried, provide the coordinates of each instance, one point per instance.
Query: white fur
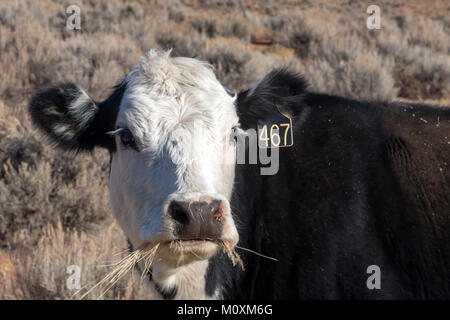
(81, 111)
(189, 280)
(181, 118)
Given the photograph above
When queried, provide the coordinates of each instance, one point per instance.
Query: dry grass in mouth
(225, 246)
(257, 253)
(232, 254)
(146, 254)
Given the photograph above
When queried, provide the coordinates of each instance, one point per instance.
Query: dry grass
(54, 208)
(42, 269)
(122, 268)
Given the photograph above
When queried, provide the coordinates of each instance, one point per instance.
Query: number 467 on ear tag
(275, 132)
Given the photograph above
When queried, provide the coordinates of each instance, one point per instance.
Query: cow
(357, 208)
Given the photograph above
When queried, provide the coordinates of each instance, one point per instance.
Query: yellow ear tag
(276, 131)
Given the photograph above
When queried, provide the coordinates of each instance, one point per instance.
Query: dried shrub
(176, 14)
(18, 150)
(229, 62)
(40, 186)
(419, 73)
(210, 26)
(424, 32)
(43, 270)
(50, 197)
(167, 39)
(351, 71)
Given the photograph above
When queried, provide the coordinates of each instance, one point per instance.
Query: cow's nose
(197, 219)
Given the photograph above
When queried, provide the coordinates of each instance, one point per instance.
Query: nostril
(216, 209)
(218, 216)
(178, 213)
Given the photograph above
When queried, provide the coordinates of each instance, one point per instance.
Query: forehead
(163, 93)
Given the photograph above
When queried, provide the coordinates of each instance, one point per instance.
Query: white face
(174, 154)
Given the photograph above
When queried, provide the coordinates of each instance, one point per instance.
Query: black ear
(71, 119)
(276, 91)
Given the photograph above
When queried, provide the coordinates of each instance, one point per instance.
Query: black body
(364, 184)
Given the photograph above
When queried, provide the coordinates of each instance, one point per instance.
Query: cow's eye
(127, 138)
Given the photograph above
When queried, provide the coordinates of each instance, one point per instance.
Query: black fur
(167, 294)
(278, 89)
(364, 184)
(50, 107)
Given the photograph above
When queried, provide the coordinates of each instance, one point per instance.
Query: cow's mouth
(178, 252)
(189, 240)
(192, 244)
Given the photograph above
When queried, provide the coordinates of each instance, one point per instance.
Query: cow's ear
(68, 116)
(271, 95)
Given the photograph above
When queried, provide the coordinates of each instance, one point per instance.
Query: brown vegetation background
(54, 209)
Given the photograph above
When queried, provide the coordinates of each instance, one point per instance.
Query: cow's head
(169, 127)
